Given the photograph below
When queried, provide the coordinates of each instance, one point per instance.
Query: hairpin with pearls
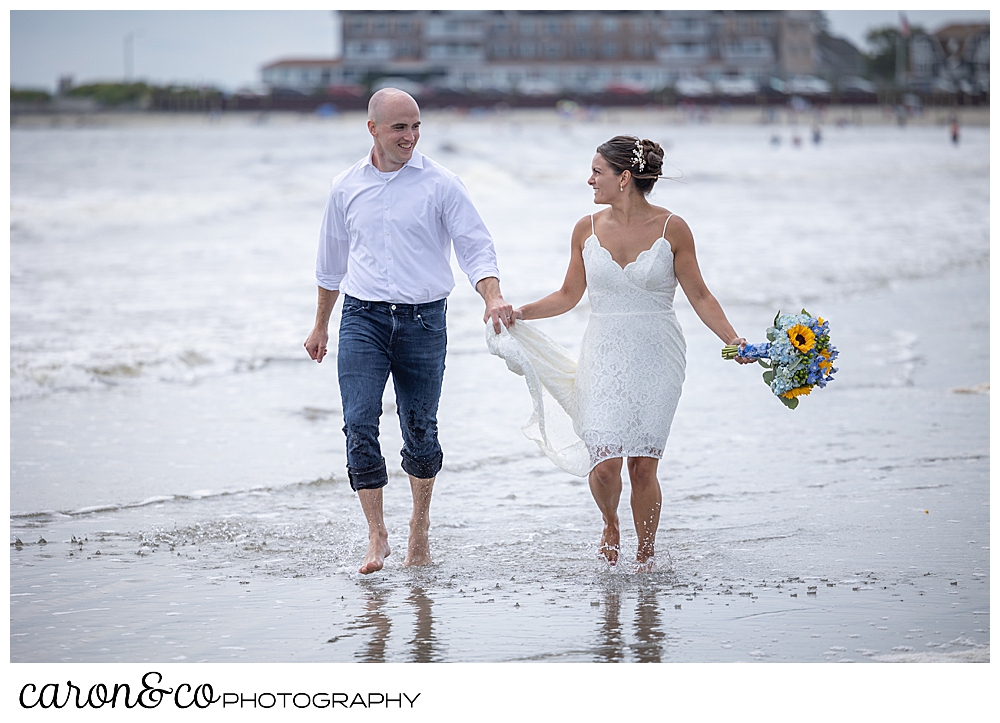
(638, 157)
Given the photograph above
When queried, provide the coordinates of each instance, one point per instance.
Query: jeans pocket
(434, 322)
(352, 307)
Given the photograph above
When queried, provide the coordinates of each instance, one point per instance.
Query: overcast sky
(226, 48)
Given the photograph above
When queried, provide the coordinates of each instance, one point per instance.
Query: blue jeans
(407, 341)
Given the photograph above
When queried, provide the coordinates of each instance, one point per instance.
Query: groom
(385, 242)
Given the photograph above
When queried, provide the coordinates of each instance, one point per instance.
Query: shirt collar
(416, 160)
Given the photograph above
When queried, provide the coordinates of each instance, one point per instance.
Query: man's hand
(316, 344)
(497, 310)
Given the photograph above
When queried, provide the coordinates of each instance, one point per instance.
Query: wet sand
(853, 529)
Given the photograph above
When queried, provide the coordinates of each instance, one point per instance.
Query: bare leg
(378, 536)
(606, 486)
(418, 549)
(646, 502)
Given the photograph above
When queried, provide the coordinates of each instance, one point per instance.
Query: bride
(621, 394)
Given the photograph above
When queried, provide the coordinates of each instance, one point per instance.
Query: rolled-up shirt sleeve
(334, 245)
(472, 241)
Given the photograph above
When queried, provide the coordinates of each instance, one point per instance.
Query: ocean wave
(45, 377)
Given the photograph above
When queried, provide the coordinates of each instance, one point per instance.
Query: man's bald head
(394, 122)
(388, 102)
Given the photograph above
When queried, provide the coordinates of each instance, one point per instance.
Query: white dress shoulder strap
(664, 234)
(592, 231)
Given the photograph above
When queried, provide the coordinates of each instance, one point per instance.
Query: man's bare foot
(610, 541)
(378, 550)
(418, 548)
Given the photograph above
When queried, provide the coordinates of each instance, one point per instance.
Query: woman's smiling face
(603, 180)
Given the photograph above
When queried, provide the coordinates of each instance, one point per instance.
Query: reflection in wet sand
(611, 647)
(424, 644)
(377, 625)
(649, 636)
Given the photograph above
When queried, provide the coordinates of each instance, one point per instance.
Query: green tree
(112, 94)
(881, 56)
(27, 95)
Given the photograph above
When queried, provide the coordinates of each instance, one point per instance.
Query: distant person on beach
(622, 392)
(954, 130)
(386, 239)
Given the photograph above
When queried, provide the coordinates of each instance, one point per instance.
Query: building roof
(962, 30)
(300, 62)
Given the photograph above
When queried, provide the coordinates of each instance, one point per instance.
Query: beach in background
(178, 487)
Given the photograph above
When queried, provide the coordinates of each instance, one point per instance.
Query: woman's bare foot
(610, 542)
(646, 565)
(378, 550)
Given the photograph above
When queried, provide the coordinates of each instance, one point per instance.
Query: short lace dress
(618, 399)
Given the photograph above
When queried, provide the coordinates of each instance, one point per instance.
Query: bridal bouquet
(799, 356)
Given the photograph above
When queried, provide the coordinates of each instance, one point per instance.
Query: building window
(552, 27)
(381, 27)
(357, 26)
(552, 50)
(501, 27)
(609, 25)
(501, 50)
(638, 49)
(527, 50)
(609, 50)
(582, 25)
(527, 27)
(583, 50)
(404, 26)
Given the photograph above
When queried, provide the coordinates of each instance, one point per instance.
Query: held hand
(499, 311)
(316, 344)
(741, 342)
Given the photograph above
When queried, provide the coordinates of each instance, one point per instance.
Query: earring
(621, 188)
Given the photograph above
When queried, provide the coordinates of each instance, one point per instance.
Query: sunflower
(802, 338)
(825, 364)
(798, 392)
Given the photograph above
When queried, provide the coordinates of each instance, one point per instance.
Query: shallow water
(164, 414)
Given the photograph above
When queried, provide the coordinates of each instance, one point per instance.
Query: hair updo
(621, 154)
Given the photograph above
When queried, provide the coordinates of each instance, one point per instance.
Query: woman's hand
(741, 342)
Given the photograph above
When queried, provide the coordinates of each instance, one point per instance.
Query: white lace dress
(619, 398)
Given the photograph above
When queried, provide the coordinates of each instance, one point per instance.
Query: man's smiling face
(395, 129)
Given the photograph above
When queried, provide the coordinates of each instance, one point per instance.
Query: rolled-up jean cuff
(422, 469)
(372, 478)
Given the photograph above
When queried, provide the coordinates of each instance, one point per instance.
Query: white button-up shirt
(388, 237)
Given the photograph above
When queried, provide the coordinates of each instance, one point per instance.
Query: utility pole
(902, 39)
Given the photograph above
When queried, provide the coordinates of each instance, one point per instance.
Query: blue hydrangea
(791, 368)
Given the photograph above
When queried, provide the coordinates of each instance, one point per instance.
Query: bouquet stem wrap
(756, 352)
